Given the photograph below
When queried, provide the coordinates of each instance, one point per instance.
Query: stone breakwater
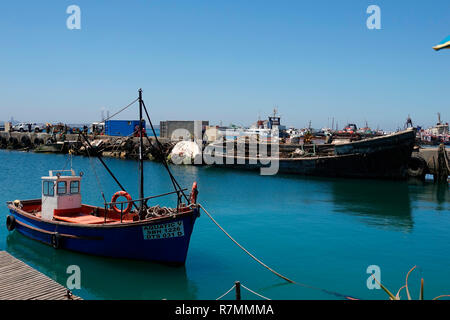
(108, 146)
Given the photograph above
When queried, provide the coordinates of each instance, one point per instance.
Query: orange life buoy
(194, 193)
(121, 194)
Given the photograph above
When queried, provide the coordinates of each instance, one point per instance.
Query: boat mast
(141, 160)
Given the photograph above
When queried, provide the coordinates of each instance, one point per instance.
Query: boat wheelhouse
(60, 193)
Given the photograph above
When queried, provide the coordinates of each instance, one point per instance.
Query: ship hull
(382, 157)
(163, 240)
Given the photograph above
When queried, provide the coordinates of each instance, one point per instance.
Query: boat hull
(382, 157)
(165, 240)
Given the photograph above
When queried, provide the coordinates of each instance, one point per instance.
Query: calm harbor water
(317, 231)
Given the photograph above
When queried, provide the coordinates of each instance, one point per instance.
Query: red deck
(82, 218)
(84, 215)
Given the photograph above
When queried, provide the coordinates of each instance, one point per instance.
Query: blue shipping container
(122, 128)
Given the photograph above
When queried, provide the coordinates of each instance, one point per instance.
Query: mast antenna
(141, 158)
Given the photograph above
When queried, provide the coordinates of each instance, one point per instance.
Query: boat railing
(140, 203)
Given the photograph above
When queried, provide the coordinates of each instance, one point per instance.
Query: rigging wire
(174, 181)
(96, 176)
(106, 167)
(123, 109)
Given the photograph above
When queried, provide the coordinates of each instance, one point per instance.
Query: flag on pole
(444, 44)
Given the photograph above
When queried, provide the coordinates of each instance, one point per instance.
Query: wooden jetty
(19, 281)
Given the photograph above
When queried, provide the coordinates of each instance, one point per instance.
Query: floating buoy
(10, 223)
(121, 194)
(194, 193)
(56, 240)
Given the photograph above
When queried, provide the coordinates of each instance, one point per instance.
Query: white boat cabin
(60, 192)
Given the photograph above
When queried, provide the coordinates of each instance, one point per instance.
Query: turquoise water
(322, 232)
(150, 132)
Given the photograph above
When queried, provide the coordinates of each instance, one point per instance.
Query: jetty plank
(19, 281)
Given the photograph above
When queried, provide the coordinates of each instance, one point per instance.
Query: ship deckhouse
(60, 192)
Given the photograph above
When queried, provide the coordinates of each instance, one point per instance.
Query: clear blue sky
(226, 60)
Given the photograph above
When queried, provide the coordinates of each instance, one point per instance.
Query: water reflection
(442, 195)
(384, 204)
(434, 195)
(103, 278)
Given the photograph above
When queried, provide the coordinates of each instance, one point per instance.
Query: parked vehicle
(28, 127)
(20, 127)
(97, 128)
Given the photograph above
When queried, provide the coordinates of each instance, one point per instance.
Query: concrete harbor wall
(424, 161)
(112, 146)
(434, 161)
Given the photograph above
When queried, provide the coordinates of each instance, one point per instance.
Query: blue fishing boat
(132, 229)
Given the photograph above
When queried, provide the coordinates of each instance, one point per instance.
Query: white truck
(26, 127)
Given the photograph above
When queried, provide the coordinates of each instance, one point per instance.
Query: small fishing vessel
(133, 229)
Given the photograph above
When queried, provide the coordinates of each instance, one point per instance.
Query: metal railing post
(238, 290)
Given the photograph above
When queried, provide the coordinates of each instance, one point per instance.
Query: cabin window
(61, 188)
(74, 187)
(48, 188)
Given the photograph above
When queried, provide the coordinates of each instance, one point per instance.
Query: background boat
(379, 157)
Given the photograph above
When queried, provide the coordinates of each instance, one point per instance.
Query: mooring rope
(337, 294)
(248, 289)
(234, 286)
(245, 250)
(255, 293)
